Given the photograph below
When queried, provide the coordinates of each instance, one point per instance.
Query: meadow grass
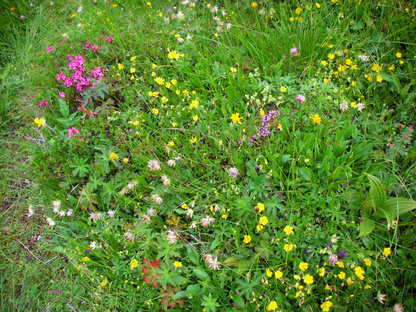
(194, 156)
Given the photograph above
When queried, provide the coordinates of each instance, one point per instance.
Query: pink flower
(87, 44)
(109, 39)
(79, 10)
(43, 103)
(411, 127)
(51, 4)
(60, 77)
(22, 17)
(72, 131)
(31, 5)
(301, 98)
(98, 73)
(233, 172)
(94, 48)
(294, 51)
(61, 94)
(50, 49)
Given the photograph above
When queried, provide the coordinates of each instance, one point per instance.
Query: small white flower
(151, 212)
(172, 237)
(29, 211)
(398, 307)
(111, 213)
(165, 180)
(171, 163)
(69, 213)
(129, 236)
(216, 208)
(381, 297)
(190, 212)
(145, 219)
(180, 15)
(343, 106)
(50, 222)
(131, 185)
(228, 26)
(360, 107)
(95, 216)
(79, 9)
(212, 262)
(192, 225)
(181, 40)
(56, 204)
(93, 245)
(154, 165)
(156, 198)
(207, 221)
(364, 58)
(189, 37)
(61, 214)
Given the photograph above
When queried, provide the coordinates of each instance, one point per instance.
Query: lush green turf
(238, 156)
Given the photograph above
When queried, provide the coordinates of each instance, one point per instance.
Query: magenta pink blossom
(94, 48)
(109, 39)
(301, 98)
(50, 49)
(61, 94)
(72, 131)
(87, 44)
(43, 103)
(294, 51)
(31, 5)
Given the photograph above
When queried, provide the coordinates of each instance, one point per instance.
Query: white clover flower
(61, 214)
(207, 221)
(171, 163)
(129, 236)
(180, 15)
(93, 245)
(233, 172)
(360, 107)
(151, 212)
(131, 185)
(145, 219)
(189, 213)
(343, 106)
(192, 225)
(156, 198)
(95, 216)
(364, 58)
(50, 222)
(69, 213)
(172, 237)
(154, 165)
(111, 213)
(165, 180)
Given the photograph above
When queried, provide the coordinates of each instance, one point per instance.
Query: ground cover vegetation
(206, 156)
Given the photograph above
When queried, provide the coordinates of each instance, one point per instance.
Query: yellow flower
(235, 118)
(317, 5)
(326, 305)
(288, 230)
(303, 266)
(125, 160)
(367, 287)
(155, 111)
(254, 5)
(341, 275)
(288, 247)
(173, 55)
(174, 81)
(348, 62)
(259, 207)
(340, 264)
(134, 264)
(308, 279)
(148, 3)
(331, 56)
(259, 227)
(387, 252)
(367, 262)
(280, 126)
(283, 89)
(392, 68)
(263, 220)
(278, 274)
(168, 85)
(272, 306)
(350, 281)
(113, 156)
(398, 55)
(233, 69)
(321, 272)
(247, 239)
(164, 99)
(171, 143)
(132, 70)
(376, 68)
(154, 66)
(194, 104)
(379, 78)
(195, 117)
(224, 217)
(316, 119)
(184, 206)
(159, 80)
(269, 273)
(359, 272)
(153, 74)
(104, 282)
(40, 122)
(193, 140)
(298, 10)
(85, 259)
(177, 264)
(120, 66)
(324, 63)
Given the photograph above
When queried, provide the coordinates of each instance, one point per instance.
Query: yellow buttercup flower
(316, 119)
(272, 306)
(367, 262)
(247, 239)
(134, 264)
(387, 252)
(236, 118)
(259, 207)
(114, 156)
(263, 220)
(269, 273)
(341, 275)
(288, 230)
(288, 247)
(177, 264)
(303, 266)
(40, 122)
(308, 279)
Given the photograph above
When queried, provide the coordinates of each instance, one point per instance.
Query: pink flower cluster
(88, 44)
(43, 103)
(72, 131)
(79, 78)
(265, 125)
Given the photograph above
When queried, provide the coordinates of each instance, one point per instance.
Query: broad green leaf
(399, 205)
(367, 226)
(201, 273)
(377, 194)
(63, 107)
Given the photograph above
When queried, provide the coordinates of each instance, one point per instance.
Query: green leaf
(367, 226)
(63, 107)
(201, 273)
(377, 194)
(399, 205)
(210, 303)
(306, 173)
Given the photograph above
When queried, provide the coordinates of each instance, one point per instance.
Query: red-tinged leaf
(149, 273)
(168, 298)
